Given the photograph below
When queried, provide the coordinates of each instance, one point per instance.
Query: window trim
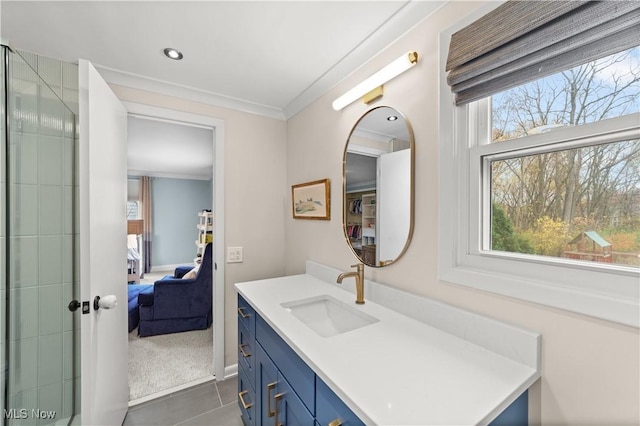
(592, 290)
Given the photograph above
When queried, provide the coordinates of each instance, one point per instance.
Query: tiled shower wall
(41, 171)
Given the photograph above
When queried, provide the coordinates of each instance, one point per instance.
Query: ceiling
(374, 131)
(272, 58)
(383, 124)
(268, 57)
(168, 149)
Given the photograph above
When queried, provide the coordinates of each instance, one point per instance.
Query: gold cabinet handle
(275, 409)
(270, 387)
(242, 351)
(244, 404)
(336, 422)
(242, 314)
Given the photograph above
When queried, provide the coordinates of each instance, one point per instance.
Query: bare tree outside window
(581, 203)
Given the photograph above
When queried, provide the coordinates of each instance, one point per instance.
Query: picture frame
(311, 200)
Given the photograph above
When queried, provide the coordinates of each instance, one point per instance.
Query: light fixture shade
(395, 68)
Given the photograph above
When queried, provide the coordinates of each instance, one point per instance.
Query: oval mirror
(378, 187)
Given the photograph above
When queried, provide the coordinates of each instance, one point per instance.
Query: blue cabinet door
(330, 408)
(246, 353)
(276, 397)
(289, 409)
(246, 399)
(246, 315)
(298, 373)
(266, 380)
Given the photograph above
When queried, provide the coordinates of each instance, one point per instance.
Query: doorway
(164, 261)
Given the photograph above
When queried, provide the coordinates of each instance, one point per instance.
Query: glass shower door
(38, 262)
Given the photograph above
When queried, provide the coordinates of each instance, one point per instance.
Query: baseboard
(230, 371)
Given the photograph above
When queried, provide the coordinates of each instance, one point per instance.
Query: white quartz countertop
(397, 371)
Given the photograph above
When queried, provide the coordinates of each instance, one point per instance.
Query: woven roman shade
(521, 41)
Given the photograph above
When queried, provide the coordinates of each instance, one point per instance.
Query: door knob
(73, 305)
(106, 302)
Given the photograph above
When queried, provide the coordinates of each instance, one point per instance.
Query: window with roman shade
(521, 41)
(540, 155)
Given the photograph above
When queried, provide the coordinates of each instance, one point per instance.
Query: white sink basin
(328, 316)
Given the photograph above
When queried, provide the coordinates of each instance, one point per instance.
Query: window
(579, 203)
(540, 189)
(134, 205)
(133, 210)
(580, 199)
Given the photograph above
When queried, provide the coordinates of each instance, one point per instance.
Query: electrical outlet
(234, 254)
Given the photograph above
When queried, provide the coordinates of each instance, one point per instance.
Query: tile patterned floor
(213, 404)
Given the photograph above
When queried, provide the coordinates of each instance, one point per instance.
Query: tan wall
(255, 191)
(590, 367)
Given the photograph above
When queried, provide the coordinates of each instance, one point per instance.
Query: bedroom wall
(176, 203)
(590, 367)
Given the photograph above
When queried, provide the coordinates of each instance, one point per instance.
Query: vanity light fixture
(374, 82)
(172, 53)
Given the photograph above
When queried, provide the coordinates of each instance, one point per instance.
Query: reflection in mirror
(378, 187)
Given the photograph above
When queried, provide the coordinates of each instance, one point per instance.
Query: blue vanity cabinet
(246, 353)
(246, 362)
(516, 414)
(278, 403)
(246, 315)
(275, 386)
(297, 373)
(330, 410)
(246, 400)
(246, 339)
(266, 381)
(288, 407)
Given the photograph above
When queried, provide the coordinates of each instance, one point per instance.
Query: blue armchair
(177, 305)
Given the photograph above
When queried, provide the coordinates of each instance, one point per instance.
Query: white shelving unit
(205, 233)
(368, 219)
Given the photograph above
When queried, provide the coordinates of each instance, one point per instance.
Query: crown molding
(136, 81)
(138, 173)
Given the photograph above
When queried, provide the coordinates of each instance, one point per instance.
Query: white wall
(591, 369)
(255, 191)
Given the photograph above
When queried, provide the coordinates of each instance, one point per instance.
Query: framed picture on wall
(311, 200)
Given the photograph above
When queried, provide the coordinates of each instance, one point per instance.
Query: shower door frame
(22, 399)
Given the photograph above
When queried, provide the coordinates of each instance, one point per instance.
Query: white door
(102, 181)
(394, 209)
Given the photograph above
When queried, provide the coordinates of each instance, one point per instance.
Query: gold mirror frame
(411, 189)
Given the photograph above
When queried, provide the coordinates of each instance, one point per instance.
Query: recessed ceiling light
(392, 118)
(172, 53)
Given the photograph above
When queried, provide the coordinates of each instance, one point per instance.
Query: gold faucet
(359, 276)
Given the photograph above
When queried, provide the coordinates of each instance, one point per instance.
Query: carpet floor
(158, 363)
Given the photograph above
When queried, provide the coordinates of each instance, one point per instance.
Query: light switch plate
(234, 254)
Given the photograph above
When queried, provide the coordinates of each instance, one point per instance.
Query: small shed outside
(589, 245)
